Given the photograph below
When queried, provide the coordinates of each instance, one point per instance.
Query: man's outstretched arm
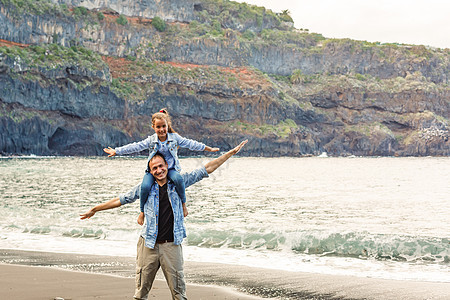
(217, 162)
(113, 203)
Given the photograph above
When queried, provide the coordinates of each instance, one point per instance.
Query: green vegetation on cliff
(229, 13)
(22, 8)
(52, 56)
(305, 85)
(35, 7)
(159, 24)
(369, 129)
(137, 78)
(18, 115)
(282, 130)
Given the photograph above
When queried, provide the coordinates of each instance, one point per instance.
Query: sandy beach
(41, 275)
(27, 282)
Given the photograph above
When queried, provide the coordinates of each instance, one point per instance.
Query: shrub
(159, 24)
(122, 20)
(249, 35)
(360, 77)
(215, 25)
(80, 11)
(55, 38)
(285, 16)
(297, 76)
(38, 49)
(100, 16)
(194, 24)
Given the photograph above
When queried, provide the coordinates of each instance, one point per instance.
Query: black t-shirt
(165, 222)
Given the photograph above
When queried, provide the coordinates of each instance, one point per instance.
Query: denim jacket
(151, 143)
(151, 208)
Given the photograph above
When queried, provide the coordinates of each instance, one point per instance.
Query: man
(160, 242)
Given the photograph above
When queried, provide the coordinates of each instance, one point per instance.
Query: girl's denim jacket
(174, 140)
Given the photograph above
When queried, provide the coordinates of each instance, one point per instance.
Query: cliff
(74, 79)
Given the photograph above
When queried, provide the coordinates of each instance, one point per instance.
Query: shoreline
(93, 277)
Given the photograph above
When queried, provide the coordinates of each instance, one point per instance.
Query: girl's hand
(211, 149)
(141, 218)
(185, 211)
(110, 151)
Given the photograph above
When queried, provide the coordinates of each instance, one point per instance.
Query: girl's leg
(146, 185)
(179, 184)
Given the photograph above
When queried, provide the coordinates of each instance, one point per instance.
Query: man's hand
(239, 147)
(113, 203)
(88, 214)
(215, 163)
(110, 151)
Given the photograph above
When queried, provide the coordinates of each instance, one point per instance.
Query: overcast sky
(421, 22)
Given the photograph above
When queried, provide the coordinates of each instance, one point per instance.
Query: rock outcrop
(289, 92)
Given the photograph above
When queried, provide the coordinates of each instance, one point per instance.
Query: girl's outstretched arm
(130, 148)
(193, 145)
(207, 148)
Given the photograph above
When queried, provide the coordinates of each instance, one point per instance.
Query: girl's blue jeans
(149, 180)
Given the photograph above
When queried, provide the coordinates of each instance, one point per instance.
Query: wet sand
(23, 277)
(30, 282)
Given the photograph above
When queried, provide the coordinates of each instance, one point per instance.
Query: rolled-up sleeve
(194, 176)
(130, 196)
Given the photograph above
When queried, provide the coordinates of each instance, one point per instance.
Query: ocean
(380, 217)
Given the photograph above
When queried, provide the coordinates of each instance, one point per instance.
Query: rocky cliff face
(139, 38)
(59, 97)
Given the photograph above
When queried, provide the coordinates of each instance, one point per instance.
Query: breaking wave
(361, 245)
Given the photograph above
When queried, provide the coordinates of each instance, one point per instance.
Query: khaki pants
(167, 256)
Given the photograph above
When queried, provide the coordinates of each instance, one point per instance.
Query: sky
(419, 22)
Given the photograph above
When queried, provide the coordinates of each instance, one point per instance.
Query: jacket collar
(170, 137)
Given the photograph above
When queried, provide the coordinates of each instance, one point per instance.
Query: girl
(166, 141)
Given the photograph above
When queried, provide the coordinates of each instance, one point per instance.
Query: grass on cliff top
(292, 38)
(48, 7)
(233, 13)
(52, 56)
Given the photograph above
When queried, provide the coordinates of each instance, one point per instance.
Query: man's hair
(153, 157)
